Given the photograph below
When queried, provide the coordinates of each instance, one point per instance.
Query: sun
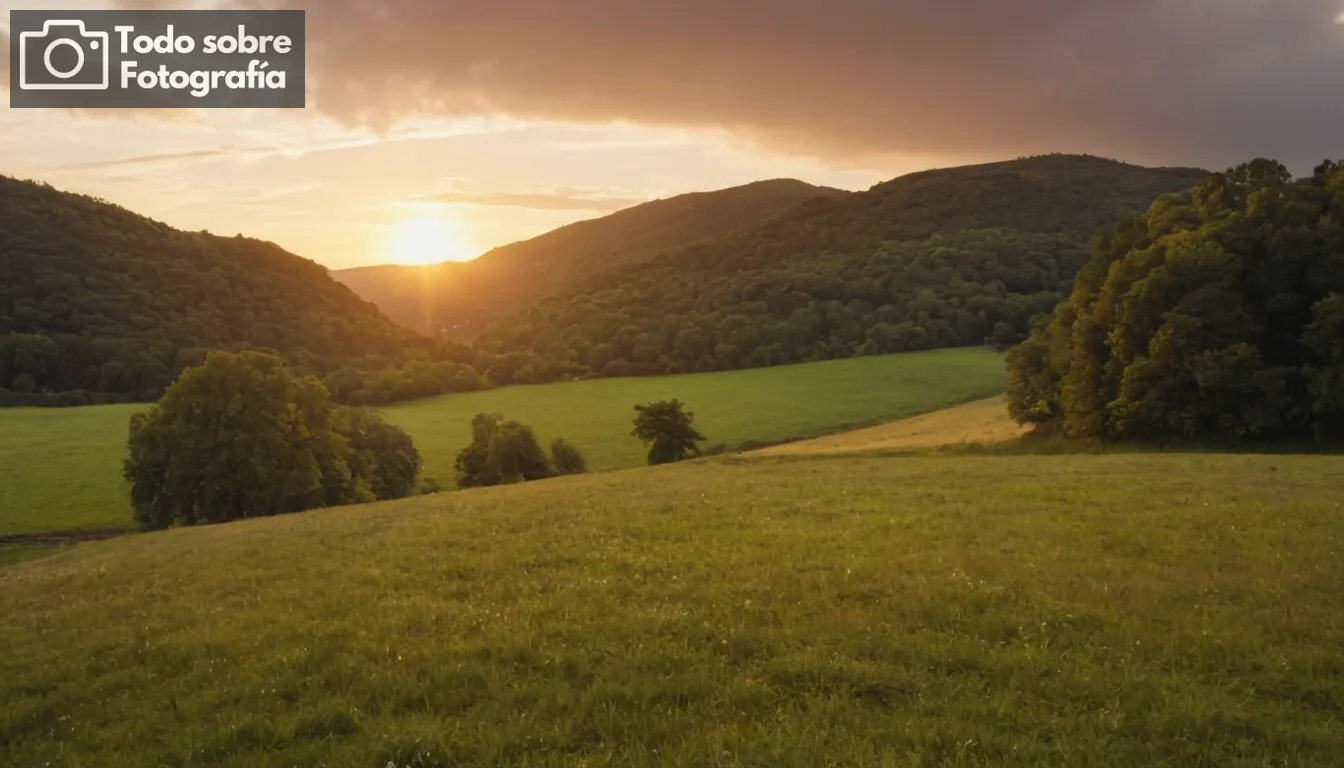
(428, 239)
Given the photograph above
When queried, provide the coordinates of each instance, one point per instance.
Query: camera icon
(45, 57)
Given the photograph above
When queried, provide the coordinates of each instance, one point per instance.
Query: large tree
(1215, 315)
(669, 431)
(243, 436)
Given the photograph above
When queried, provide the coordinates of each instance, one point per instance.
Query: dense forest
(1219, 314)
(459, 300)
(99, 304)
(962, 256)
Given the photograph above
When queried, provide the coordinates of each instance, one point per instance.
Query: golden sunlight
(428, 239)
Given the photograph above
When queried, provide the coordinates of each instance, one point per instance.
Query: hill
(96, 299)
(460, 299)
(969, 611)
(61, 470)
(940, 258)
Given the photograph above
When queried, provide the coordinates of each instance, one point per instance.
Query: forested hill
(939, 258)
(460, 300)
(96, 298)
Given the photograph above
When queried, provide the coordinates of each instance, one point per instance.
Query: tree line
(1219, 314)
(765, 308)
(950, 257)
(243, 436)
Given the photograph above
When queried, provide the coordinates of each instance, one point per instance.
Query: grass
(981, 610)
(983, 422)
(22, 553)
(60, 469)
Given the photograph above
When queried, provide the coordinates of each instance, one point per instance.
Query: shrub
(567, 459)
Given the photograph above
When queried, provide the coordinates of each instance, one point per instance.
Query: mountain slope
(939, 258)
(460, 299)
(96, 298)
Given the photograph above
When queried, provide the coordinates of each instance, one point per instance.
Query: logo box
(157, 59)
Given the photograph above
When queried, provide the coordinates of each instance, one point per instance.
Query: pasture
(916, 610)
(60, 469)
(980, 423)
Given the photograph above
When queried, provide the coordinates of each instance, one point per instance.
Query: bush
(567, 459)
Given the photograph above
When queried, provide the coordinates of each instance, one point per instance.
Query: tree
(382, 453)
(668, 429)
(501, 452)
(1215, 316)
(473, 469)
(243, 436)
(567, 459)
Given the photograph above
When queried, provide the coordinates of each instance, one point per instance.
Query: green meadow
(60, 469)
(1098, 610)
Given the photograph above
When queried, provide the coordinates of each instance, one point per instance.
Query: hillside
(980, 423)
(939, 258)
(971, 611)
(98, 299)
(461, 299)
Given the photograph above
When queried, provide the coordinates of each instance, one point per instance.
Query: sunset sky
(507, 118)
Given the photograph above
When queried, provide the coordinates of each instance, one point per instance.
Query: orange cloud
(560, 199)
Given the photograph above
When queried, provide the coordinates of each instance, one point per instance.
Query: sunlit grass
(983, 422)
(999, 610)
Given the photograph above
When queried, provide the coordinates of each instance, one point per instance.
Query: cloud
(4, 62)
(167, 158)
(1189, 81)
(558, 199)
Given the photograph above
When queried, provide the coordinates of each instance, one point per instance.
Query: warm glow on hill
(428, 239)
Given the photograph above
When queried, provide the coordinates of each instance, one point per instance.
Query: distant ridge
(462, 299)
(960, 256)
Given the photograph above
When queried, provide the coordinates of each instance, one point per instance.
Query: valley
(1022, 463)
(60, 468)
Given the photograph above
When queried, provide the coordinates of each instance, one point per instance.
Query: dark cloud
(1162, 81)
(549, 200)
(1179, 81)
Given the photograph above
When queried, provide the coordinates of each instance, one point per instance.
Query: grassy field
(61, 468)
(983, 422)
(978, 610)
